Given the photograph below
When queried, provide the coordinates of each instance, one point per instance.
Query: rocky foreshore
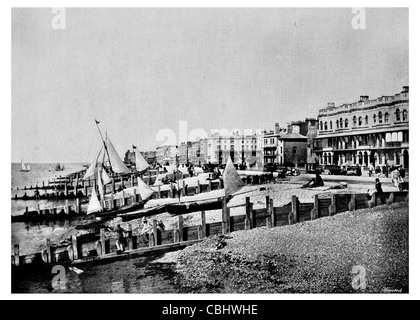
(365, 251)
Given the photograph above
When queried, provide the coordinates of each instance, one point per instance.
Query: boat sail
(231, 180)
(90, 172)
(25, 167)
(94, 204)
(59, 167)
(141, 163)
(117, 165)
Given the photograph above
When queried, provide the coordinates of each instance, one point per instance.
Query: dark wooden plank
(361, 201)
(342, 202)
(214, 228)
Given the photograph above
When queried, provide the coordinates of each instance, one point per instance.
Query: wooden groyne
(76, 209)
(97, 247)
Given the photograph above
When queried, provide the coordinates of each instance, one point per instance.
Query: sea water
(31, 236)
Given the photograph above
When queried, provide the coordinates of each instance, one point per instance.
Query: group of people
(145, 232)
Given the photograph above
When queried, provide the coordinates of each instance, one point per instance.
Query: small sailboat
(50, 169)
(59, 167)
(25, 167)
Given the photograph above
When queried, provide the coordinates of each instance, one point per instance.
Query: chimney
(277, 128)
(405, 89)
(331, 105)
(364, 98)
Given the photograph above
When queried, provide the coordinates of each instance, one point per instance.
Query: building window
(354, 121)
(341, 122)
(405, 115)
(294, 150)
(366, 120)
(360, 121)
(326, 126)
(346, 123)
(380, 117)
(331, 126)
(374, 118)
(386, 117)
(397, 115)
(337, 124)
(320, 126)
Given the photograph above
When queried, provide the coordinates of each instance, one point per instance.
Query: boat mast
(106, 149)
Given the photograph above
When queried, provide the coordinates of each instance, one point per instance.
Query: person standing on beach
(120, 238)
(379, 191)
(370, 169)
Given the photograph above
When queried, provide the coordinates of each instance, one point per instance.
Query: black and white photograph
(209, 150)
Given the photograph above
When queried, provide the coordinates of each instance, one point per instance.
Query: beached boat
(24, 167)
(183, 208)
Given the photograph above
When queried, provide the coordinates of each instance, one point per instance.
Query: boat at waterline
(24, 167)
(59, 167)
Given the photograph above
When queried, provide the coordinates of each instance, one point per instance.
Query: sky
(139, 71)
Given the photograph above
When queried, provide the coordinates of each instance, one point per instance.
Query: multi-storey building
(242, 149)
(149, 156)
(308, 128)
(166, 155)
(364, 132)
(284, 147)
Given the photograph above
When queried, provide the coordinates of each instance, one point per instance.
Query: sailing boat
(25, 167)
(59, 167)
(98, 169)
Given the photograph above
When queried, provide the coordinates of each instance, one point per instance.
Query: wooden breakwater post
(209, 186)
(352, 203)
(248, 214)
(390, 200)
(124, 199)
(179, 235)
(155, 233)
(225, 217)
(172, 191)
(16, 256)
(270, 215)
(48, 251)
(134, 195)
(112, 185)
(315, 210)
(294, 214)
(77, 206)
(102, 240)
(182, 188)
(159, 192)
(130, 237)
(198, 188)
(203, 229)
(332, 210)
